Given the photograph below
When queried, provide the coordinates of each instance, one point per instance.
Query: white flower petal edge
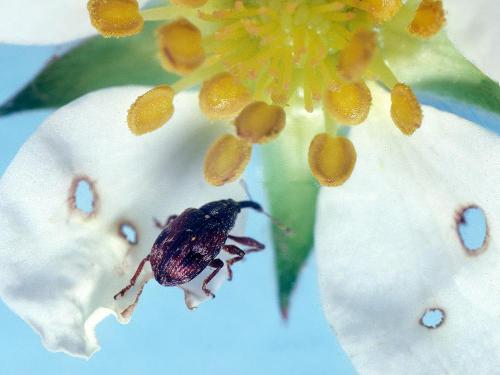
(387, 248)
(60, 269)
(474, 28)
(44, 22)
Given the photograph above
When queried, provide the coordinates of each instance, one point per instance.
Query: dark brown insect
(190, 242)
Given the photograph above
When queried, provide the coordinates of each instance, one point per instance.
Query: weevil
(190, 242)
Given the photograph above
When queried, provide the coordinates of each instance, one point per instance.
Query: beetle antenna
(286, 230)
(244, 185)
(257, 207)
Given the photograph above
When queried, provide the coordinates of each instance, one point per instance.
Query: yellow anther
(115, 18)
(405, 109)
(260, 122)
(189, 3)
(226, 159)
(223, 96)
(348, 103)
(331, 159)
(382, 10)
(429, 19)
(181, 49)
(151, 110)
(358, 54)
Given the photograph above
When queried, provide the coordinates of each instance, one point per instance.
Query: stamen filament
(380, 71)
(165, 13)
(331, 125)
(308, 93)
(208, 69)
(261, 85)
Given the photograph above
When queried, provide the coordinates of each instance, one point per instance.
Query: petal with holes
(60, 268)
(388, 250)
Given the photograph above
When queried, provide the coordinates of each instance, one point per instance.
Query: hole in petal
(433, 318)
(83, 196)
(128, 232)
(472, 229)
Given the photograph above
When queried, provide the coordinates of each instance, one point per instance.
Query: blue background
(241, 332)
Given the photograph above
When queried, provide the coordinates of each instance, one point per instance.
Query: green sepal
(440, 75)
(94, 64)
(292, 194)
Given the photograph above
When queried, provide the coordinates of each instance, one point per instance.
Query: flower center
(255, 57)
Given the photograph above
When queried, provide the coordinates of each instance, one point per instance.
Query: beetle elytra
(191, 242)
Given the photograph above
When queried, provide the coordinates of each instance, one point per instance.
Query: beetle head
(224, 212)
(221, 207)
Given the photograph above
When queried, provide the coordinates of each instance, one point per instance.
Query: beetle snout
(249, 204)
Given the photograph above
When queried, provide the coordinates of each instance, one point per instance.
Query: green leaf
(94, 64)
(292, 193)
(439, 73)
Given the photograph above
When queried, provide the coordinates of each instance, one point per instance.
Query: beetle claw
(229, 272)
(209, 293)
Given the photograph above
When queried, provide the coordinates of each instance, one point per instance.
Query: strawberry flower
(330, 93)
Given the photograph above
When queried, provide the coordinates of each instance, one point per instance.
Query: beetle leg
(122, 292)
(235, 250)
(256, 245)
(217, 264)
(168, 221)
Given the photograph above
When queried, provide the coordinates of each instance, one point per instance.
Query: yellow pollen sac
(181, 49)
(429, 19)
(151, 110)
(223, 96)
(405, 109)
(358, 54)
(331, 159)
(382, 10)
(348, 103)
(115, 18)
(260, 122)
(226, 159)
(189, 3)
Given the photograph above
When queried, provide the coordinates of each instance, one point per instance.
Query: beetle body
(191, 242)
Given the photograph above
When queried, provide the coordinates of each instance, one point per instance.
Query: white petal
(474, 28)
(44, 22)
(388, 249)
(59, 269)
